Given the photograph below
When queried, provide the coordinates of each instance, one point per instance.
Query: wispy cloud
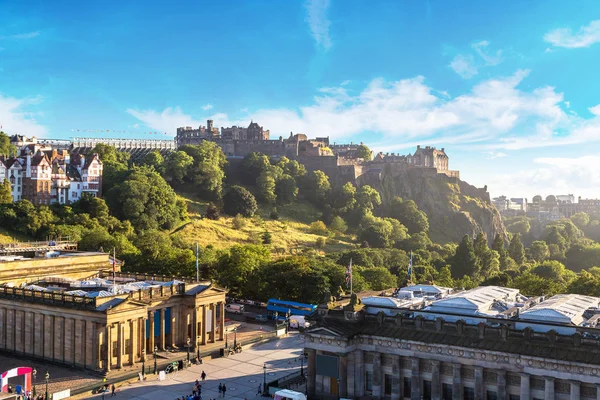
(207, 107)
(20, 36)
(491, 155)
(565, 37)
(16, 116)
(595, 110)
(167, 120)
(316, 16)
(467, 66)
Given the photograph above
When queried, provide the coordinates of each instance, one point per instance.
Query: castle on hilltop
(339, 161)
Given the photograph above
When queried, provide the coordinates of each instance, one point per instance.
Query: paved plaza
(242, 373)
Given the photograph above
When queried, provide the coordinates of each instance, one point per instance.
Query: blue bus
(282, 307)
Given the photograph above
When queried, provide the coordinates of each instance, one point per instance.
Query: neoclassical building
(104, 324)
(470, 345)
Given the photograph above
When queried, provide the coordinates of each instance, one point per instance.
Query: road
(242, 373)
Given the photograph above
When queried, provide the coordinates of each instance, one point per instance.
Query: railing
(47, 297)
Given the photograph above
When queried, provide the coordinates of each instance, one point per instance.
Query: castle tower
(209, 125)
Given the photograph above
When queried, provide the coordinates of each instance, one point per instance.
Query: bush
(239, 222)
(321, 242)
(274, 214)
(238, 200)
(318, 228)
(338, 225)
(212, 212)
(267, 238)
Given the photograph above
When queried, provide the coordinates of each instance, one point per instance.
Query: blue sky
(509, 89)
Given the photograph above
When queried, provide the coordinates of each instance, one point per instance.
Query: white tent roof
(562, 308)
(425, 289)
(477, 300)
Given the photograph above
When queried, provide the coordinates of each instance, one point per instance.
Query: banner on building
(327, 366)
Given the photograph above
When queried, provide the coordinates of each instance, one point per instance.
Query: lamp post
(198, 349)
(47, 378)
(338, 388)
(235, 337)
(302, 364)
(155, 350)
(143, 362)
(265, 392)
(226, 339)
(34, 373)
(188, 350)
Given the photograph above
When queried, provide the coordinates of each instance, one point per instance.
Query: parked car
(261, 318)
(235, 308)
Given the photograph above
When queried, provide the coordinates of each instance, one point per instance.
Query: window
(469, 393)
(115, 349)
(407, 389)
(491, 395)
(387, 384)
(368, 381)
(446, 391)
(426, 390)
(127, 343)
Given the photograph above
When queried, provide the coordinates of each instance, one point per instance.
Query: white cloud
(16, 119)
(464, 66)
(568, 104)
(318, 22)
(19, 36)
(207, 107)
(565, 37)
(595, 110)
(491, 155)
(495, 116)
(468, 66)
(550, 175)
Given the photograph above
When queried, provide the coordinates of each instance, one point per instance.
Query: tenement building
(427, 342)
(108, 320)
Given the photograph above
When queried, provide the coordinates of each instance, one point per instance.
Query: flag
(410, 265)
(349, 273)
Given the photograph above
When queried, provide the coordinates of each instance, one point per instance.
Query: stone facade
(404, 358)
(109, 332)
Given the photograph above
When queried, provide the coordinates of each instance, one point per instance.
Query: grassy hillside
(7, 236)
(290, 234)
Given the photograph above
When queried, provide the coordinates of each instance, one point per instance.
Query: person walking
(203, 376)
(259, 388)
(113, 390)
(224, 390)
(220, 389)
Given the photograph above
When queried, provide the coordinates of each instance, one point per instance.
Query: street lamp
(338, 388)
(47, 377)
(198, 348)
(302, 364)
(265, 392)
(226, 339)
(34, 373)
(143, 362)
(155, 350)
(235, 337)
(188, 350)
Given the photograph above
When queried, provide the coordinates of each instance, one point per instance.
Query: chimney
(418, 146)
(81, 161)
(28, 165)
(442, 149)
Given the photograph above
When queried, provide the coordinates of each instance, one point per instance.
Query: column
(525, 392)
(133, 340)
(457, 386)
(151, 336)
(359, 373)
(377, 375)
(436, 392)
(99, 338)
(221, 321)
(501, 384)
(163, 322)
(203, 323)
(415, 380)
(575, 388)
(597, 391)
(108, 347)
(343, 377)
(119, 345)
(193, 318)
(478, 383)
(143, 335)
(311, 372)
(174, 340)
(213, 334)
(396, 378)
(549, 388)
(350, 375)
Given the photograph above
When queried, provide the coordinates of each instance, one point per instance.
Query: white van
(297, 321)
(234, 308)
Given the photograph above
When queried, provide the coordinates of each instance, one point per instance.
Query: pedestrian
(203, 376)
(220, 389)
(259, 388)
(113, 390)
(224, 390)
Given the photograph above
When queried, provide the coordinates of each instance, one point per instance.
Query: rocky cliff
(454, 207)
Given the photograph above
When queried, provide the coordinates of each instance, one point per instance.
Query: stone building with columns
(104, 324)
(548, 349)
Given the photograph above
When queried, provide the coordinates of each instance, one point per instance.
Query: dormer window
(12, 179)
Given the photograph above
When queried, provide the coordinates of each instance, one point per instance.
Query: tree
(291, 167)
(238, 222)
(5, 192)
(367, 198)
(266, 237)
(554, 271)
(519, 227)
(364, 152)
(533, 285)
(538, 251)
(377, 233)
(286, 189)
(320, 242)
(583, 257)
(252, 166)
(338, 225)
(266, 187)
(318, 228)
(580, 219)
(344, 197)
(4, 144)
(212, 212)
(114, 165)
(464, 262)
(409, 215)
(516, 251)
(378, 278)
(238, 200)
(156, 160)
(318, 188)
(144, 198)
(177, 166)
(498, 245)
(207, 170)
(237, 264)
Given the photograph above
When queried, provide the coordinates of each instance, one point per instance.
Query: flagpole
(197, 269)
(114, 272)
(351, 278)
